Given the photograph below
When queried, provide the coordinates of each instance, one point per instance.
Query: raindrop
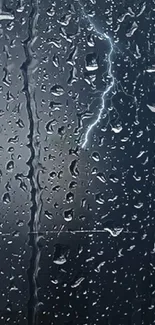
(10, 166)
(77, 282)
(57, 90)
(68, 215)
(96, 156)
(6, 198)
(99, 197)
(56, 61)
(69, 197)
(48, 215)
(49, 127)
(91, 62)
(101, 177)
(73, 168)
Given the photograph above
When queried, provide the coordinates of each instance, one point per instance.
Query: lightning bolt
(109, 70)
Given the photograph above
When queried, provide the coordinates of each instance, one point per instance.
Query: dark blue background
(63, 258)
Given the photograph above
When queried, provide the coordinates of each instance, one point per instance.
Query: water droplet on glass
(6, 198)
(91, 62)
(96, 156)
(57, 90)
(10, 166)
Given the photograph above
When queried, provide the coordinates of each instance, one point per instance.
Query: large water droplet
(57, 90)
(91, 62)
(10, 166)
(6, 198)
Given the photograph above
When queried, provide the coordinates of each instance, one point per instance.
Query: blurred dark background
(77, 225)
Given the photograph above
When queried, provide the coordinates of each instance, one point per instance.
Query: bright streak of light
(110, 74)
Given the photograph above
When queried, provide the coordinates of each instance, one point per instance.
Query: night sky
(77, 217)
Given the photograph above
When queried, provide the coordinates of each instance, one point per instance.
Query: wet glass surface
(77, 166)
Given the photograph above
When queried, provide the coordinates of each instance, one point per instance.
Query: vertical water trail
(28, 68)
